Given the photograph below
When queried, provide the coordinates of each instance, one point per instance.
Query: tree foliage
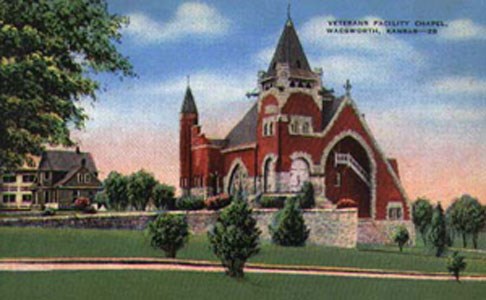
(169, 233)
(306, 199)
(467, 217)
(438, 232)
(401, 237)
(49, 50)
(163, 196)
(456, 264)
(422, 216)
(289, 227)
(140, 189)
(116, 190)
(235, 237)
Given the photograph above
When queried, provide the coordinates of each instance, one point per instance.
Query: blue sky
(424, 96)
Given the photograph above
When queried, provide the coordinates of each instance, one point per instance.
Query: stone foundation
(329, 227)
(381, 232)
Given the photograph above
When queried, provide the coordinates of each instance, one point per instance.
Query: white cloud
(463, 29)
(191, 19)
(363, 58)
(459, 85)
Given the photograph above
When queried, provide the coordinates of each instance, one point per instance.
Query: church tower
(188, 118)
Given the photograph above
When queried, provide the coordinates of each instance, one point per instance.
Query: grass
(184, 285)
(38, 242)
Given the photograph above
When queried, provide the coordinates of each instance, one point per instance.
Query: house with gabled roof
(64, 176)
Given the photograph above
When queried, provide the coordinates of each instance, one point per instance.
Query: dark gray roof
(329, 109)
(289, 50)
(65, 161)
(245, 131)
(189, 105)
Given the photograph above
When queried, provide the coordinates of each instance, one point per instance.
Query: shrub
(217, 202)
(306, 199)
(456, 264)
(163, 196)
(235, 237)
(169, 233)
(90, 210)
(190, 203)
(346, 203)
(401, 237)
(272, 202)
(289, 227)
(81, 203)
(48, 212)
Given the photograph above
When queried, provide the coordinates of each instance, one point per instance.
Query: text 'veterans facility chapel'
(296, 131)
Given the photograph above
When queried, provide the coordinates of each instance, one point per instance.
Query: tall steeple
(289, 50)
(189, 105)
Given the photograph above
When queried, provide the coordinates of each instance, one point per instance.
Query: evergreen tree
(401, 237)
(169, 233)
(438, 232)
(289, 227)
(456, 264)
(422, 215)
(235, 237)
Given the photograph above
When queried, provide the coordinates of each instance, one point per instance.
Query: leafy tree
(289, 227)
(438, 231)
(467, 217)
(422, 215)
(163, 196)
(401, 237)
(49, 52)
(306, 198)
(140, 189)
(456, 264)
(235, 237)
(116, 190)
(169, 233)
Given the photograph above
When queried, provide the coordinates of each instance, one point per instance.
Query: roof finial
(347, 88)
(188, 78)
(288, 12)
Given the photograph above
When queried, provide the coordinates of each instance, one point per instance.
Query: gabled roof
(73, 172)
(65, 161)
(245, 131)
(189, 105)
(289, 50)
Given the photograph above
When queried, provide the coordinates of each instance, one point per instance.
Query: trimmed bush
(235, 237)
(272, 202)
(289, 227)
(169, 233)
(346, 203)
(190, 203)
(306, 198)
(217, 202)
(456, 264)
(401, 237)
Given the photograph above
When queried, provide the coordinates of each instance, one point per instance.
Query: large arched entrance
(349, 173)
(299, 173)
(237, 181)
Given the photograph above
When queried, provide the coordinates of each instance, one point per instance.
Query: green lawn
(184, 285)
(38, 242)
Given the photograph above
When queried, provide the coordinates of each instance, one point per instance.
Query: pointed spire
(289, 50)
(189, 105)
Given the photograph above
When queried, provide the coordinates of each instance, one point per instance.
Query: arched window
(299, 173)
(270, 131)
(268, 176)
(237, 180)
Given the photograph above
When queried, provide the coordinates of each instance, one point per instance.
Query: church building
(297, 131)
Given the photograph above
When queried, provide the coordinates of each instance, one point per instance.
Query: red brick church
(296, 131)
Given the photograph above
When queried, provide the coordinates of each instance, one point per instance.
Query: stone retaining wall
(329, 227)
(381, 232)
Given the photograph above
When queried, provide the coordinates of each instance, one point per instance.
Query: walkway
(162, 264)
